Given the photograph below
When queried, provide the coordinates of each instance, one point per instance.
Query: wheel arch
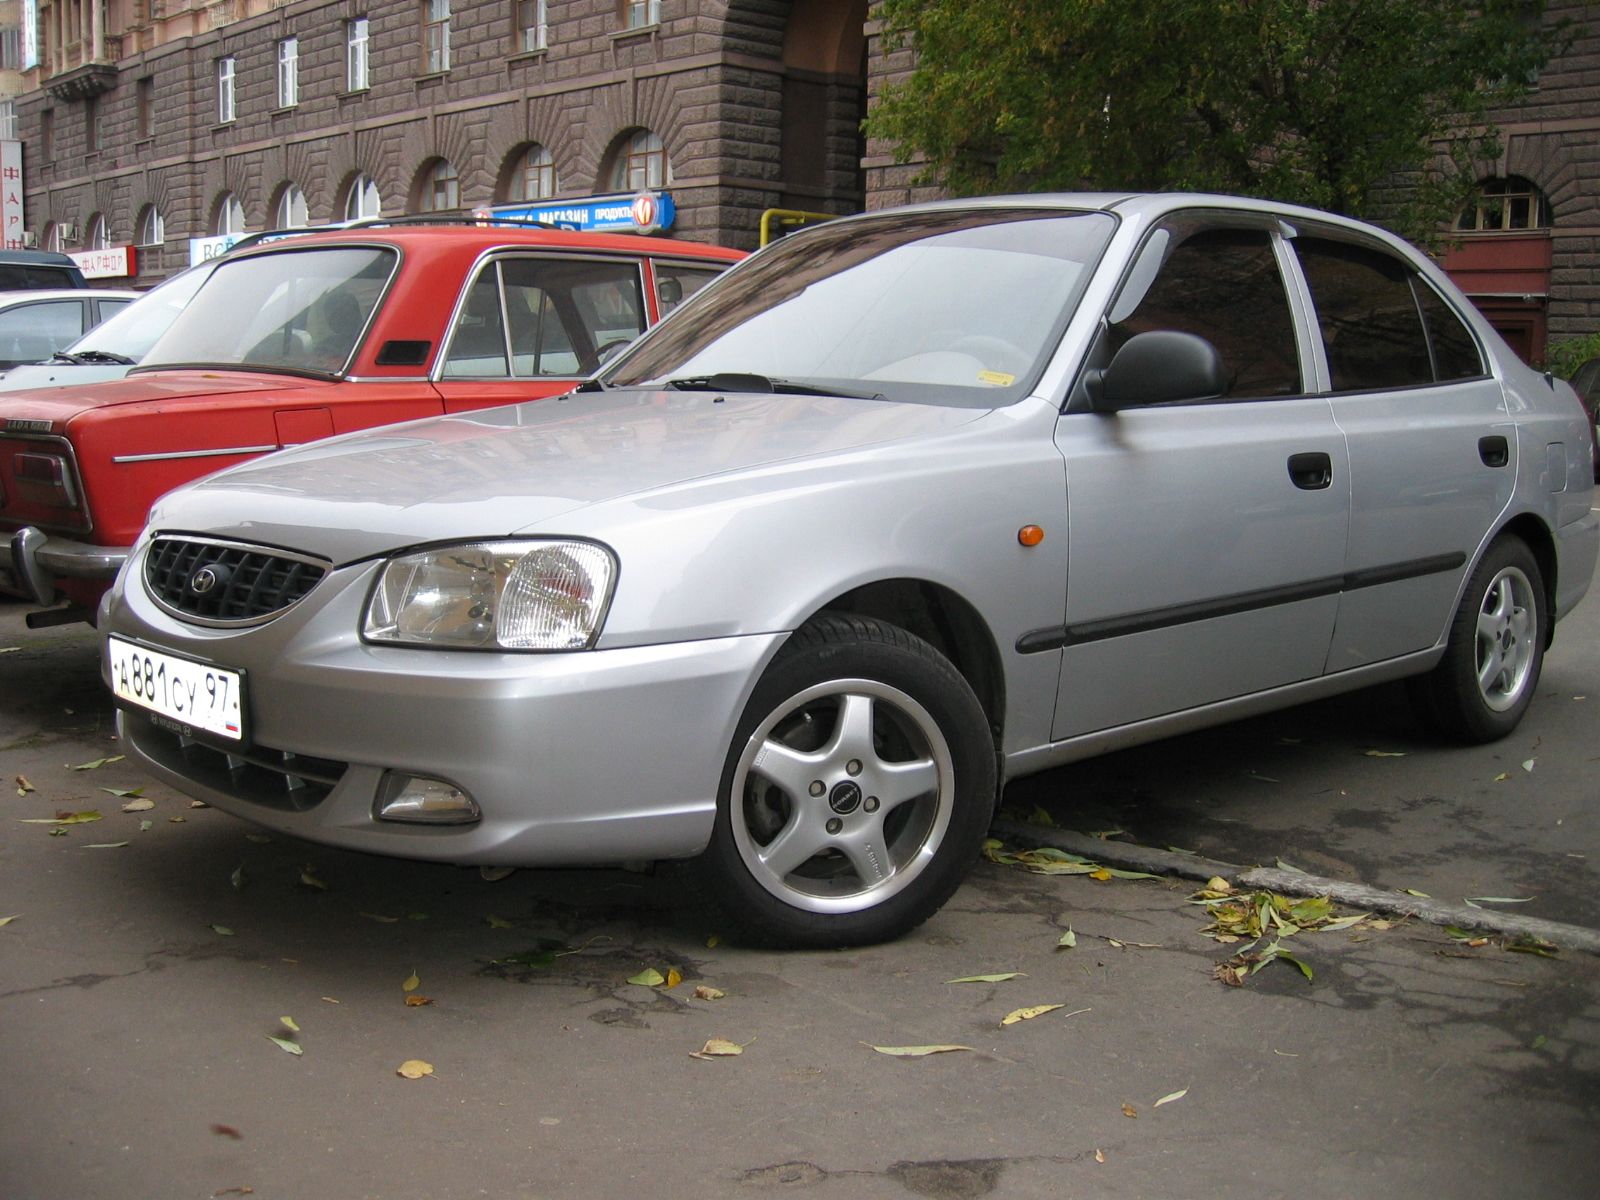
(945, 620)
(1535, 534)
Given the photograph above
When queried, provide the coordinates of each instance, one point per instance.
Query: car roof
(36, 258)
(34, 295)
(477, 237)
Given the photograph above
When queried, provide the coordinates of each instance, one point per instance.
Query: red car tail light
(44, 479)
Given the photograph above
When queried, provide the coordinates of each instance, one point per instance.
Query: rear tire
(856, 793)
(1494, 652)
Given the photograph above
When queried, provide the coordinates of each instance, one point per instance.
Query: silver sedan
(904, 506)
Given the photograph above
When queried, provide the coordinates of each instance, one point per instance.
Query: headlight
(512, 595)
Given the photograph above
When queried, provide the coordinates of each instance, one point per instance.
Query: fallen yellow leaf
(64, 818)
(1028, 1014)
(649, 977)
(1102, 874)
(701, 992)
(718, 1048)
(417, 1001)
(1099, 1155)
(8, 920)
(288, 1023)
(917, 1051)
(411, 984)
(414, 1068)
(1128, 1110)
(999, 978)
(1170, 1097)
(23, 786)
(140, 805)
(674, 977)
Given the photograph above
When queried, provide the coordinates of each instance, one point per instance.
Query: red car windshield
(295, 310)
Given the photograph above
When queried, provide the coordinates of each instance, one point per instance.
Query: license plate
(189, 694)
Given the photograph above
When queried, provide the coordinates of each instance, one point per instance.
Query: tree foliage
(1315, 101)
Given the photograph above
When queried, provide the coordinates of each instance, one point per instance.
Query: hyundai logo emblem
(204, 580)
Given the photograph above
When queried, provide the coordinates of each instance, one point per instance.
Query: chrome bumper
(31, 561)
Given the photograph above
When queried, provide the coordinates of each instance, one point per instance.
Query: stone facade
(709, 78)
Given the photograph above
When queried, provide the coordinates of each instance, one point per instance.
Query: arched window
(535, 177)
(362, 201)
(441, 188)
(52, 239)
(640, 163)
(291, 209)
(230, 214)
(1508, 203)
(99, 236)
(152, 229)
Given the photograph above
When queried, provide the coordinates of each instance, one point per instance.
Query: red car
(305, 338)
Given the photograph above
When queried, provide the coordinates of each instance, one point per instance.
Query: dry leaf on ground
(918, 1051)
(414, 1068)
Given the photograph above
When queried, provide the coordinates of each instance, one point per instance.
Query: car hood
(501, 471)
(158, 388)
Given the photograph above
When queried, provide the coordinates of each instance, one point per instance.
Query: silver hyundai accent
(905, 506)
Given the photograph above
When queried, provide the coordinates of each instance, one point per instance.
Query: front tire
(856, 793)
(1495, 649)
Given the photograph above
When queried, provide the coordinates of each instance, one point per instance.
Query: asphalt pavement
(155, 955)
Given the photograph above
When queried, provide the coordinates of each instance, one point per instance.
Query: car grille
(224, 583)
(272, 778)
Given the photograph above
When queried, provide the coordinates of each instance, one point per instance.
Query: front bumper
(591, 757)
(31, 561)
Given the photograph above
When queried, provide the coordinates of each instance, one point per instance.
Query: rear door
(1207, 537)
(1432, 446)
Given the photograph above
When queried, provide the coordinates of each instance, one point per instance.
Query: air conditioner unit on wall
(30, 239)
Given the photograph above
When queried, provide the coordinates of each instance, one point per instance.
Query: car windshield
(131, 332)
(951, 307)
(296, 310)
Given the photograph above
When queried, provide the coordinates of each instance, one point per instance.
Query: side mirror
(1156, 368)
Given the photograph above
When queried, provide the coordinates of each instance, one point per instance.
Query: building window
(362, 203)
(47, 135)
(532, 27)
(225, 90)
(1506, 204)
(441, 192)
(52, 238)
(436, 36)
(152, 229)
(144, 106)
(99, 236)
(641, 164)
(291, 209)
(230, 214)
(355, 55)
(8, 120)
(91, 124)
(536, 176)
(11, 47)
(288, 72)
(638, 14)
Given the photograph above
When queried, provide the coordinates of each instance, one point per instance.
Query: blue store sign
(647, 212)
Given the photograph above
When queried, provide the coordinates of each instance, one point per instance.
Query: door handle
(1311, 471)
(1494, 450)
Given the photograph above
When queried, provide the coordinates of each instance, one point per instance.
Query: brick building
(158, 123)
(1529, 252)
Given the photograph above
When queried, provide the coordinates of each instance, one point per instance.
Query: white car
(38, 323)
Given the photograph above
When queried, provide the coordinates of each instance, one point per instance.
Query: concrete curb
(1297, 883)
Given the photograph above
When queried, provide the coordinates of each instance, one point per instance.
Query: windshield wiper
(739, 381)
(97, 356)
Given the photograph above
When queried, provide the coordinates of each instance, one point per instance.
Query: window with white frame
(441, 191)
(152, 229)
(355, 55)
(533, 29)
(230, 214)
(435, 36)
(225, 111)
(291, 209)
(536, 176)
(99, 236)
(8, 120)
(641, 164)
(288, 72)
(362, 202)
(637, 14)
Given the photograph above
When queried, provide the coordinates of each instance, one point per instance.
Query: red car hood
(60, 404)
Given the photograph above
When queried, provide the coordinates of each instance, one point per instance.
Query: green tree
(1314, 101)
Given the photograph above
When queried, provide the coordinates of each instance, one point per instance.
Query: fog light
(423, 801)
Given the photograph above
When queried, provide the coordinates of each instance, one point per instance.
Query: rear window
(16, 277)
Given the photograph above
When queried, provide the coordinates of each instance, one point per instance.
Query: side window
(32, 332)
(564, 313)
(478, 342)
(1223, 285)
(675, 283)
(1371, 324)
(1455, 350)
